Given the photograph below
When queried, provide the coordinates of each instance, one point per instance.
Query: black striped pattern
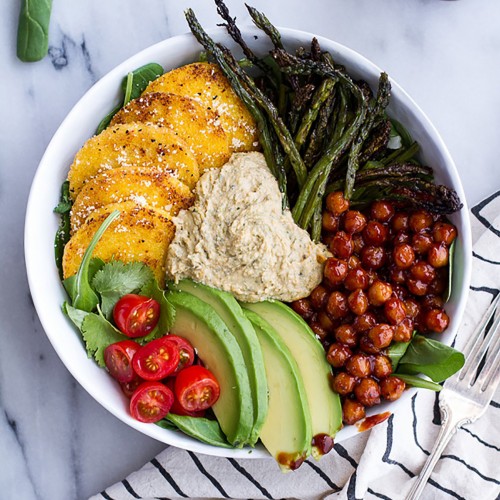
(381, 466)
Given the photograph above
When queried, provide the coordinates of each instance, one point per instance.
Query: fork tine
(491, 365)
(478, 344)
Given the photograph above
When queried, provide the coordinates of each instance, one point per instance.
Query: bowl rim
(30, 233)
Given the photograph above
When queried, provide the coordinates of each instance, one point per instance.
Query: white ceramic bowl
(80, 124)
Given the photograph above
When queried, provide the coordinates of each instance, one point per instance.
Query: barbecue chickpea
(437, 255)
(394, 310)
(403, 332)
(356, 278)
(375, 233)
(416, 287)
(319, 297)
(382, 366)
(346, 334)
(343, 383)
(421, 242)
(412, 307)
(336, 203)
(442, 232)
(353, 262)
(354, 221)
(329, 222)
(367, 392)
(342, 245)
(379, 293)
(364, 322)
(367, 346)
(325, 321)
(400, 238)
(420, 220)
(440, 283)
(403, 255)
(335, 270)
(358, 242)
(400, 221)
(436, 320)
(352, 411)
(357, 302)
(318, 329)
(337, 305)
(382, 210)
(338, 354)
(373, 257)
(423, 271)
(381, 335)
(358, 365)
(391, 388)
(303, 307)
(397, 275)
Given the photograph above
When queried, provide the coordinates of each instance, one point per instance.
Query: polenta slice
(139, 234)
(187, 118)
(204, 82)
(133, 145)
(149, 187)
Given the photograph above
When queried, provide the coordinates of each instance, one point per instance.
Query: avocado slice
(287, 432)
(324, 404)
(197, 322)
(227, 307)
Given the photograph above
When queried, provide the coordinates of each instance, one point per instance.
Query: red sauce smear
(372, 421)
(323, 442)
(291, 460)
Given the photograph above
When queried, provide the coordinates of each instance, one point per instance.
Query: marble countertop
(56, 442)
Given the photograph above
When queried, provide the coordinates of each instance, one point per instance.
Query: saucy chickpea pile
(386, 278)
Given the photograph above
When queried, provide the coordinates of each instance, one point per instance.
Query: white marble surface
(55, 441)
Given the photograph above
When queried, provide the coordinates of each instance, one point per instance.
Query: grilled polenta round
(186, 117)
(133, 145)
(204, 82)
(149, 187)
(139, 234)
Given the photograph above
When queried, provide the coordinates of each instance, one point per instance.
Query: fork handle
(449, 426)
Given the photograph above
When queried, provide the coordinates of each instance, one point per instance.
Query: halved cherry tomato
(128, 388)
(151, 401)
(136, 315)
(186, 352)
(196, 388)
(176, 407)
(156, 359)
(118, 359)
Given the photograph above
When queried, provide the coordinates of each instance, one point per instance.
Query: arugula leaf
(415, 381)
(203, 429)
(167, 311)
(117, 279)
(75, 315)
(432, 358)
(98, 333)
(132, 86)
(82, 295)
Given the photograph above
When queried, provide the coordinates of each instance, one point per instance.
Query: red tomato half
(176, 407)
(150, 402)
(196, 388)
(186, 352)
(136, 315)
(128, 388)
(156, 359)
(118, 359)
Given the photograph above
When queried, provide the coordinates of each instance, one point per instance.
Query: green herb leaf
(75, 315)
(98, 333)
(103, 124)
(451, 257)
(33, 30)
(432, 358)
(117, 279)
(396, 351)
(94, 266)
(415, 381)
(128, 88)
(79, 289)
(203, 429)
(63, 231)
(167, 311)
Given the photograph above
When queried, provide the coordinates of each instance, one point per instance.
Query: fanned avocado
(324, 404)
(197, 322)
(286, 433)
(227, 307)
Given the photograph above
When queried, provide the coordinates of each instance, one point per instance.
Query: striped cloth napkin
(382, 463)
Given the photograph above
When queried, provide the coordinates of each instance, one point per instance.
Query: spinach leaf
(203, 429)
(396, 351)
(432, 358)
(116, 279)
(79, 289)
(451, 257)
(132, 86)
(167, 311)
(63, 231)
(33, 30)
(415, 381)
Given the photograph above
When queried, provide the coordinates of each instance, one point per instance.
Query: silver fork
(466, 396)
